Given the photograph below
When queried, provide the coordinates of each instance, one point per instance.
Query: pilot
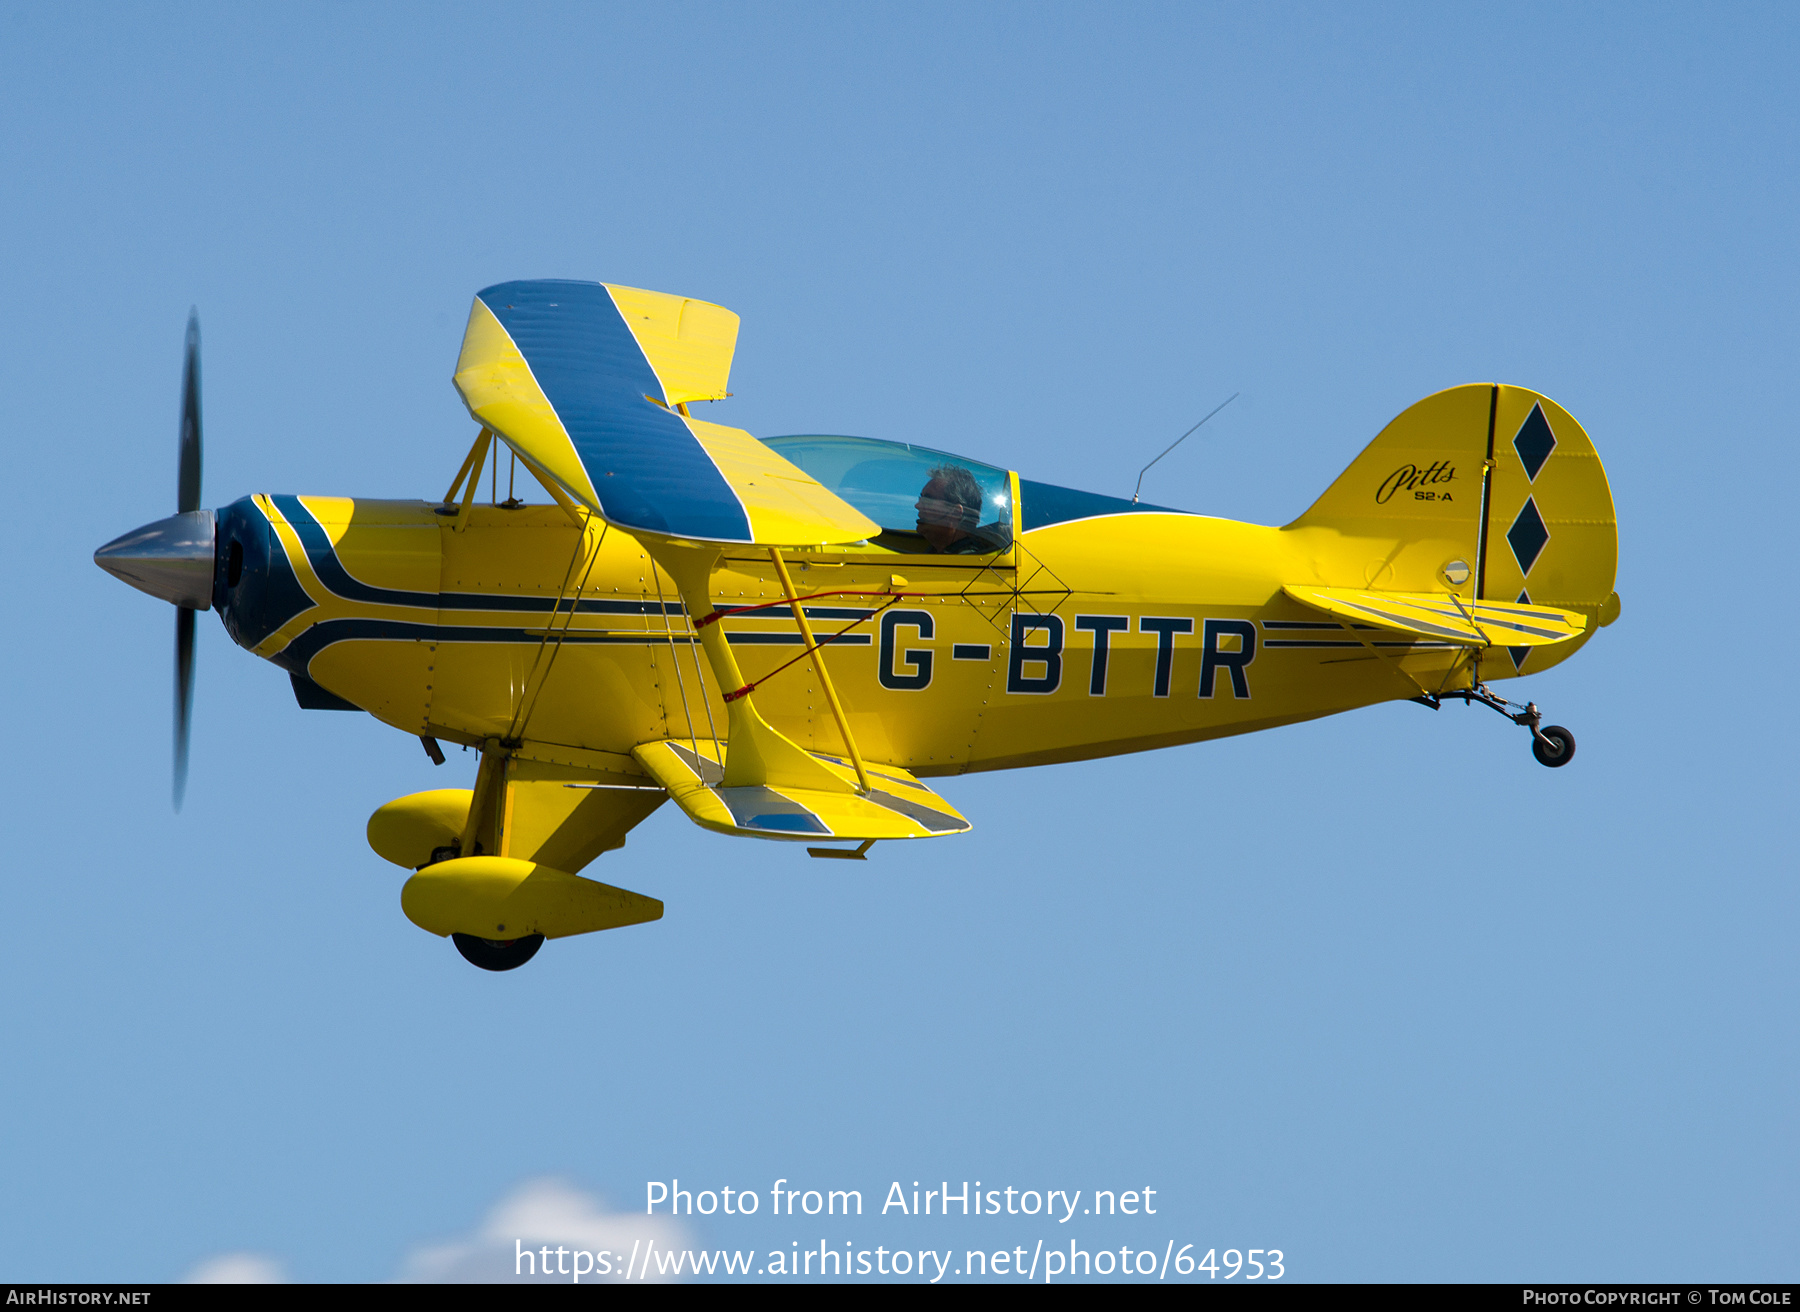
(949, 508)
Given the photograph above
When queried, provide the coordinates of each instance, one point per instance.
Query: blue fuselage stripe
(323, 558)
(298, 654)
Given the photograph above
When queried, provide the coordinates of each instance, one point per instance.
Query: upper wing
(583, 378)
(1440, 617)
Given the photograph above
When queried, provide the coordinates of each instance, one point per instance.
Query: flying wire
(523, 716)
(549, 629)
(662, 605)
(699, 676)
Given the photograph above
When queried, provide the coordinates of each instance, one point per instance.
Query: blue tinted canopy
(884, 480)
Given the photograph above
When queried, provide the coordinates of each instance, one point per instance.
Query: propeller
(187, 499)
(174, 559)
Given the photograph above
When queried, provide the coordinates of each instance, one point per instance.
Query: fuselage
(1090, 636)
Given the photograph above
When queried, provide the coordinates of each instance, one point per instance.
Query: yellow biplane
(787, 636)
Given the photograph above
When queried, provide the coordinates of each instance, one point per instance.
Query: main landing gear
(1551, 744)
(488, 953)
(497, 954)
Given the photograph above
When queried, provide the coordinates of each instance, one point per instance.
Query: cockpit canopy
(887, 481)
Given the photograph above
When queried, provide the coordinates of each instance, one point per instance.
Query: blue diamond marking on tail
(1534, 442)
(1527, 536)
(1519, 654)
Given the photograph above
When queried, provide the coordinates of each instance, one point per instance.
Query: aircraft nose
(171, 559)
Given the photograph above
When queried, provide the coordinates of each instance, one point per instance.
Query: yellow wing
(689, 343)
(583, 379)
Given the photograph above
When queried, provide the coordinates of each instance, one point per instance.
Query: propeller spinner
(173, 558)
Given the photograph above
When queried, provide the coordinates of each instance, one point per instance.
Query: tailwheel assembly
(1551, 744)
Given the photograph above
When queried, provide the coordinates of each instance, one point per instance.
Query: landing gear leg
(1551, 744)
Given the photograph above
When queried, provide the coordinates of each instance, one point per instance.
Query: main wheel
(497, 954)
(1560, 750)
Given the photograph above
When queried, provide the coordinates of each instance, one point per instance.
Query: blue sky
(1376, 991)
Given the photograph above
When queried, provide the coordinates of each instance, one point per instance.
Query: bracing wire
(522, 715)
(662, 606)
(700, 679)
(574, 606)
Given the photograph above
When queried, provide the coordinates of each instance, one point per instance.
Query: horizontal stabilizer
(897, 806)
(1443, 617)
(584, 379)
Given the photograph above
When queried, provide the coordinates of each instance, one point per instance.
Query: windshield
(924, 500)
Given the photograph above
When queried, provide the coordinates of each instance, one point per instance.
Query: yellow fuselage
(1090, 638)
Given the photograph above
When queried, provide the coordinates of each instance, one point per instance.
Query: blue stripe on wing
(649, 471)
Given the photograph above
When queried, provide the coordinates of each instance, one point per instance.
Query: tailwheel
(495, 953)
(1553, 745)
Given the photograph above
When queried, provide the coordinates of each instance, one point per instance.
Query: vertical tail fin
(1491, 492)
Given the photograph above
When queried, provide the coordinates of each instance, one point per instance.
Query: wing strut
(577, 514)
(472, 466)
(818, 661)
(755, 751)
(462, 470)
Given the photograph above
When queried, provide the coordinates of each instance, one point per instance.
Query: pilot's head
(949, 506)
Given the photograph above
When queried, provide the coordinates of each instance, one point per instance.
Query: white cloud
(237, 1269)
(537, 1214)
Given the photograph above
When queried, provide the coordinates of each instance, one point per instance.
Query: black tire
(1561, 753)
(497, 954)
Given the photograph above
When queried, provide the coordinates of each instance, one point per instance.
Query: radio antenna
(1178, 441)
